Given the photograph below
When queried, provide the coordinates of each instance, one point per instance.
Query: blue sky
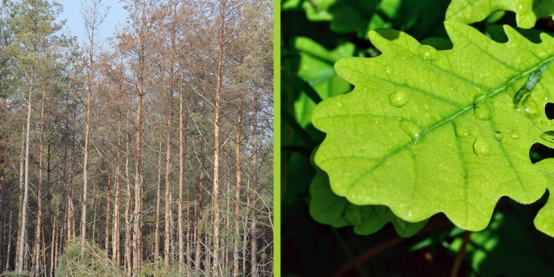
(74, 23)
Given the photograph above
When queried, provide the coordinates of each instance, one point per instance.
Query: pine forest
(146, 152)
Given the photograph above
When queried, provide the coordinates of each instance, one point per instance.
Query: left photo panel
(136, 138)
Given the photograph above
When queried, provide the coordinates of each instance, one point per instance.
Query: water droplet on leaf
(546, 122)
(428, 53)
(515, 136)
(498, 136)
(389, 69)
(399, 98)
(409, 213)
(482, 108)
(529, 108)
(481, 147)
(411, 129)
(548, 136)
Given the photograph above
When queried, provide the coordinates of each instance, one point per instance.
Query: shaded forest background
(149, 153)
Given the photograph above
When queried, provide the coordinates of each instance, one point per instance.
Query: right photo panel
(417, 138)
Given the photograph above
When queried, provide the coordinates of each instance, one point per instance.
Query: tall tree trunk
(107, 233)
(128, 261)
(21, 182)
(182, 147)
(115, 240)
(85, 159)
(39, 190)
(245, 233)
(237, 191)
(158, 187)
(21, 254)
(199, 213)
(254, 245)
(227, 225)
(167, 180)
(9, 242)
(54, 241)
(138, 162)
(216, 154)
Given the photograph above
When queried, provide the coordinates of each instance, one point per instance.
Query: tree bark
(115, 239)
(39, 189)
(158, 196)
(237, 191)
(254, 244)
(107, 233)
(19, 265)
(167, 179)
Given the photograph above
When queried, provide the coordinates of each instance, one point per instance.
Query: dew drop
(389, 69)
(481, 147)
(463, 132)
(399, 98)
(428, 53)
(515, 136)
(529, 108)
(411, 129)
(482, 110)
(498, 136)
(546, 122)
(409, 213)
(523, 9)
(548, 136)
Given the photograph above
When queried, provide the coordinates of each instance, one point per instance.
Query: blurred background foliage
(315, 34)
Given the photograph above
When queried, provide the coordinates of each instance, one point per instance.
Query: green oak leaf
(328, 208)
(427, 131)
(544, 221)
(527, 11)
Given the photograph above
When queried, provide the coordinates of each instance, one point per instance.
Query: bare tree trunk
(237, 191)
(254, 245)
(171, 235)
(227, 224)
(54, 241)
(189, 239)
(9, 242)
(128, 261)
(157, 231)
(21, 254)
(182, 147)
(138, 162)
(85, 167)
(216, 157)
(245, 234)
(115, 240)
(92, 18)
(21, 181)
(168, 181)
(39, 190)
(107, 233)
(199, 212)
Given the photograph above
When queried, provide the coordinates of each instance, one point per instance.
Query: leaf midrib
(447, 120)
